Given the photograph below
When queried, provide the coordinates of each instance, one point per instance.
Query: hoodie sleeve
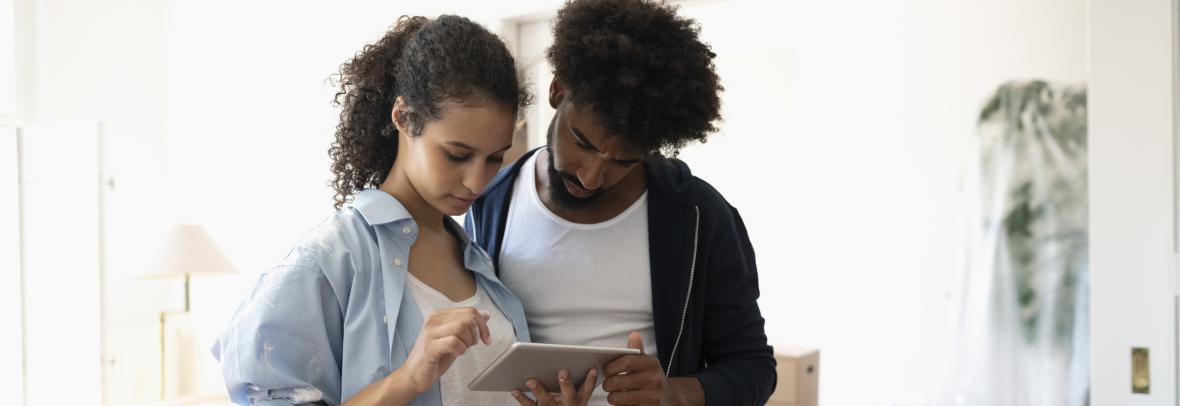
(740, 365)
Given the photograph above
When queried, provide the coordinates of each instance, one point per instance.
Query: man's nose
(592, 174)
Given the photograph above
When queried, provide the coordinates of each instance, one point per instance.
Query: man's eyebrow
(582, 138)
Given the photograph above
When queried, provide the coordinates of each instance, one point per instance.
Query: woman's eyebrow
(468, 147)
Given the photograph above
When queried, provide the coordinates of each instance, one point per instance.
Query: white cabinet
(59, 181)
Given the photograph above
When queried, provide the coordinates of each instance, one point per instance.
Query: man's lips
(575, 190)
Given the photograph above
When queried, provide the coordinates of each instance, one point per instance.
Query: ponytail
(366, 137)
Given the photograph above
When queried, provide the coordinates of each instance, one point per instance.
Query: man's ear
(398, 114)
(556, 93)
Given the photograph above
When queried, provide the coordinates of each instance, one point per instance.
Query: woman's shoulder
(341, 242)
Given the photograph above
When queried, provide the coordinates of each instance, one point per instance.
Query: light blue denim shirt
(334, 316)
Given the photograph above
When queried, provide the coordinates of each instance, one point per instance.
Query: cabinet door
(62, 272)
(11, 360)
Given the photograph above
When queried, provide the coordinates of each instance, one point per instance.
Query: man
(608, 242)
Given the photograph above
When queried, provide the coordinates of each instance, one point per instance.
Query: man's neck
(610, 203)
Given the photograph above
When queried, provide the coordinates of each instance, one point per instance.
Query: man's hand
(636, 379)
(568, 397)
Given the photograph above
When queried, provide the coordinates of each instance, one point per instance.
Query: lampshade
(188, 249)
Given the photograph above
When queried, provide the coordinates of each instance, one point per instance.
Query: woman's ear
(398, 114)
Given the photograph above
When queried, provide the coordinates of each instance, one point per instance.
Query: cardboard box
(798, 377)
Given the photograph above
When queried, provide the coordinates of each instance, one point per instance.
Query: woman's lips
(465, 202)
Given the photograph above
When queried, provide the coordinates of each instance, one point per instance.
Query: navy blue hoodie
(703, 276)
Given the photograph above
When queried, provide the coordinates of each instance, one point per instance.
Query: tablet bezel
(505, 374)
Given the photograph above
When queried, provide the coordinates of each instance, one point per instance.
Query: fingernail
(593, 372)
(515, 393)
(532, 384)
(563, 375)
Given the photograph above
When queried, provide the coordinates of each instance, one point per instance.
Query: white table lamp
(187, 250)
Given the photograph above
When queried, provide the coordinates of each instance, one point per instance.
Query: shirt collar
(474, 258)
(378, 207)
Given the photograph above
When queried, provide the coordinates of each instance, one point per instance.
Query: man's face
(585, 161)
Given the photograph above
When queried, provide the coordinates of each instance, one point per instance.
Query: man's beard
(557, 192)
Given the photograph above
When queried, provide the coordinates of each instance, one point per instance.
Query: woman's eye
(456, 158)
(496, 159)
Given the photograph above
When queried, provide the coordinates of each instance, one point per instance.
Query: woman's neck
(398, 185)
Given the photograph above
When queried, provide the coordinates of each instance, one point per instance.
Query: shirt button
(385, 319)
(407, 229)
(397, 262)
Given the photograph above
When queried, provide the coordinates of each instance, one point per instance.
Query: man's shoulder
(707, 196)
(674, 180)
(500, 188)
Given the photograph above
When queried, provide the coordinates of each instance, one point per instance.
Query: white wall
(1131, 197)
(844, 145)
(7, 58)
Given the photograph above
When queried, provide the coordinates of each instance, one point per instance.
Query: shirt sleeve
(286, 336)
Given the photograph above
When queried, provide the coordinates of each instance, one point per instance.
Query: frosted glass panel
(10, 309)
(59, 170)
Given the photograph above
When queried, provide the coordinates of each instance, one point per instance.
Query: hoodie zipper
(696, 235)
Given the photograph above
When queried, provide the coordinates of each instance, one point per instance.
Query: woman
(387, 301)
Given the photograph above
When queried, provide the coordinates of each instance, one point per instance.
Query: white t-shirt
(454, 381)
(581, 284)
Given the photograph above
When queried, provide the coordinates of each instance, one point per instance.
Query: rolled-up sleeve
(286, 335)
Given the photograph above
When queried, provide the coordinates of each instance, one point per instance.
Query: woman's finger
(449, 346)
(485, 332)
(461, 327)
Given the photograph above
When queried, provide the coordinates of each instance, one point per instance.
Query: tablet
(522, 361)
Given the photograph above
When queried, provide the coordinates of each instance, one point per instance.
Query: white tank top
(581, 284)
(454, 381)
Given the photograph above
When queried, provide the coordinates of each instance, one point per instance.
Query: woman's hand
(568, 397)
(446, 334)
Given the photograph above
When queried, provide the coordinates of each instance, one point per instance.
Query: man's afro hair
(640, 68)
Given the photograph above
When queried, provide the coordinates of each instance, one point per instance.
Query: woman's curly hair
(640, 68)
(430, 64)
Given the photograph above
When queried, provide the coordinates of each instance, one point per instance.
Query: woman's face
(456, 156)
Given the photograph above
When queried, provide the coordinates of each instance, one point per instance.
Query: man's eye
(578, 140)
(456, 158)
